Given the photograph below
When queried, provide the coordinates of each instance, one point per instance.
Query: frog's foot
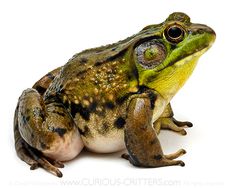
(43, 132)
(167, 160)
(171, 123)
(36, 159)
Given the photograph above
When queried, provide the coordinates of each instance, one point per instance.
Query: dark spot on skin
(81, 72)
(129, 76)
(43, 146)
(142, 89)
(50, 76)
(59, 89)
(103, 129)
(120, 122)
(154, 141)
(98, 63)
(25, 119)
(93, 106)
(173, 46)
(100, 113)
(59, 105)
(37, 112)
(52, 99)
(40, 89)
(60, 131)
(122, 99)
(157, 157)
(109, 105)
(66, 105)
(152, 97)
(83, 60)
(32, 135)
(59, 113)
(136, 74)
(84, 132)
(77, 108)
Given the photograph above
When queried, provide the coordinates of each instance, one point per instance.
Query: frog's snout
(206, 34)
(201, 28)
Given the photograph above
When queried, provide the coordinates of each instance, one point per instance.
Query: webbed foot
(163, 160)
(32, 156)
(172, 124)
(36, 159)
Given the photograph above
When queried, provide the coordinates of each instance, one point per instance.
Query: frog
(112, 98)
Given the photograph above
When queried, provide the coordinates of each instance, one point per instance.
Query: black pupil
(174, 32)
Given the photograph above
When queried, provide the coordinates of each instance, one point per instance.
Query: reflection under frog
(112, 97)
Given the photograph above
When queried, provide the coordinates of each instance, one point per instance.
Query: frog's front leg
(45, 133)
(141, 139)
(167, 121)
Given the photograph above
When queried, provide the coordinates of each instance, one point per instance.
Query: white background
(38, 36)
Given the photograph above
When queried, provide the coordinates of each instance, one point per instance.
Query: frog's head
(167, 53)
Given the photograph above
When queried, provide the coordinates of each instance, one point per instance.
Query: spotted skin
(111, 98)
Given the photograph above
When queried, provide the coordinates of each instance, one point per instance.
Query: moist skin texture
(111, 98)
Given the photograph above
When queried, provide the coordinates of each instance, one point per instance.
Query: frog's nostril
(200, 31)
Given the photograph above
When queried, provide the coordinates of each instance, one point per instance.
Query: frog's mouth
(191, 57)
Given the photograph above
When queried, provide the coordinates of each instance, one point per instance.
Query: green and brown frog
(113, 97)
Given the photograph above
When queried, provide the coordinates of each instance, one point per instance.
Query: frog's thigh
(48, 128)
(42, 84)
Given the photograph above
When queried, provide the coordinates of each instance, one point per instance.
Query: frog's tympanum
(111, 98)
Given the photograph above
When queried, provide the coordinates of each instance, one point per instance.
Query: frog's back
(93, 86)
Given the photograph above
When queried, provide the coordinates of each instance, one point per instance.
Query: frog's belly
(107, 143)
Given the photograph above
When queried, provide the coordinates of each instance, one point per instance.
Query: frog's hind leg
(31, 156)
(45, 134)
(167, 121)
(23, 150)
(42, 84)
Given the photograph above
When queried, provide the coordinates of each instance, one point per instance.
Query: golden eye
(150, 53)
(174, 33)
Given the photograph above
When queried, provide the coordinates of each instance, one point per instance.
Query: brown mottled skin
(140, 136)
(111, 98)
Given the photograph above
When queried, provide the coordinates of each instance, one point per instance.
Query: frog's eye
(150, 54)
(174, 33)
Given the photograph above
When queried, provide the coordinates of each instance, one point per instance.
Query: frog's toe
(172, 124)
(176, 154)
(49, 165)
(125, 156)
(36, 159)
(55, 163)
(44, 163)
(22, 150)
(182, 123)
